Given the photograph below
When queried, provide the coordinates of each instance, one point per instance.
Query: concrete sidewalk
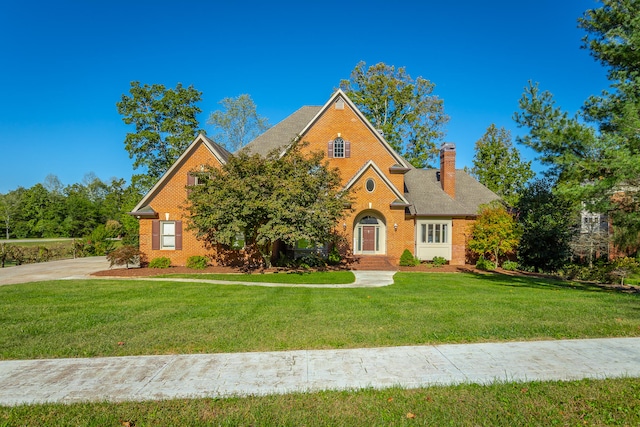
(219, 375)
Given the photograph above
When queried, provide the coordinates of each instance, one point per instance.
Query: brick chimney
(448, 168)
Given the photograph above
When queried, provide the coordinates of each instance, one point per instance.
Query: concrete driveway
(53, 270)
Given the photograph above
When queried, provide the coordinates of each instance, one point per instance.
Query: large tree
(548, 225)
(405, 110)
(497, 165)
(288, 198)
(596, 154)
(238, 123)
(165, 124)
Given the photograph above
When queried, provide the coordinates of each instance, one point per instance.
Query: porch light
(395, 227)
(166, 216)
(344, 226)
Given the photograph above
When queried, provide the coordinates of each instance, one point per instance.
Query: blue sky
(65, 64)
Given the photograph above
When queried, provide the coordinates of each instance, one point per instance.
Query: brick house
(396, 206)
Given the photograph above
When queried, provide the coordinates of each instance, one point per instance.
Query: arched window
(339, 148)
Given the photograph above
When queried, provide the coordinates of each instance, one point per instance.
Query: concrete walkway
(81, 268)
(220, 375)
(363, 279)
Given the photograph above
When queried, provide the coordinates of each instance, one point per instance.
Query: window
(338, 147)
(370, 185)
(167, 235)
(434, 233)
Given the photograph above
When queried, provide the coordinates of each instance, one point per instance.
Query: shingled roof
(424, 191)
(282, 135)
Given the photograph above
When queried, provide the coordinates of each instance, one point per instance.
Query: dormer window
(339, 148)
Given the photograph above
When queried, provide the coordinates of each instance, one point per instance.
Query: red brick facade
(169, 200)
(378, 221)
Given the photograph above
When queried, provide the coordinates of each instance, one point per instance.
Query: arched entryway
(370, 234)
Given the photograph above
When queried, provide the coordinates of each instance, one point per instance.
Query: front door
(369, 238)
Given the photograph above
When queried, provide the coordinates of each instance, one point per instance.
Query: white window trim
(380, 236)
(164, 234)
(426, 250)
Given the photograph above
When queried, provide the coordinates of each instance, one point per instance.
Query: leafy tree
(596, 153)
(497, 165)
(495, 232)
(287, 198)
(82, 214)
(10, 209)
(547, 227)
(624, 267)
(410, 116)
(165, 122)
(238, 124)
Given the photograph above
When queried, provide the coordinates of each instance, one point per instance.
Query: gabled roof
(219, 152)
(283, 134)
(424, 191)
(294, 127)
(400, 198)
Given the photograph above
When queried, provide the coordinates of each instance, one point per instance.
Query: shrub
(197, 262)
(439, 260)
(334, 257)
(283, 261)
(622, 268)
(100, 239)
(311, 261)
(510, 265)
(162, 262)
(407, 259)
(485, 264)
(124, 255)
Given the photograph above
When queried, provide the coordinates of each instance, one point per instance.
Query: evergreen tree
(547, 220)
(595, 155)
(497, 165)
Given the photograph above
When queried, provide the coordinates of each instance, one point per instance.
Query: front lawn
(308, 278)
(574, 403)
(86, 318)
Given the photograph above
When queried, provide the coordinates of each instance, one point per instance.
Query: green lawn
(85, 318)
(316, 278)
(575, 403)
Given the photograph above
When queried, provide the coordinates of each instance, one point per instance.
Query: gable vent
(339, 104)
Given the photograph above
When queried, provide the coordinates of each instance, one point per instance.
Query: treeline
(49, 210)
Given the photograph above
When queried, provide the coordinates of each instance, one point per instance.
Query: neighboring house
(395, 206)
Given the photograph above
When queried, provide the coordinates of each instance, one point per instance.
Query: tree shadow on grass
(519, 280)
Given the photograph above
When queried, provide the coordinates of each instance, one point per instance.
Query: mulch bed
(150, 272)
